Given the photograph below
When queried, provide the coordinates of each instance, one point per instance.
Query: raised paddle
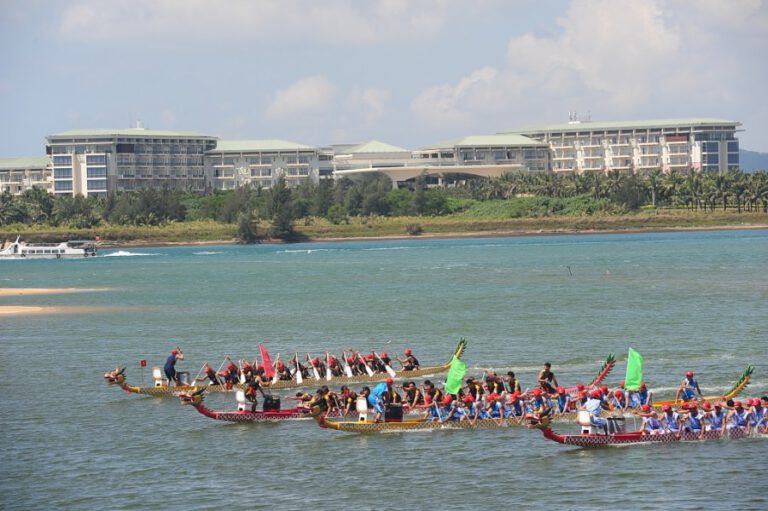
(389, 370)
(327, 367)
(347, 369)
(315, 373)
(299, 377)
(276, 377)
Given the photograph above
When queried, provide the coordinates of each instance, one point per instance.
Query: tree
(246, 231)
(280, 211)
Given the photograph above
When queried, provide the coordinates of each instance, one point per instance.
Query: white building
(450, 161)
(699, 144)
(20, 174)
(98, 161)
(233, 163)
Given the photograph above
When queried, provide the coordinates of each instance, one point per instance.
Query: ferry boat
(69, 249)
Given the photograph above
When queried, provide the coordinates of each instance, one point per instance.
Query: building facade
(234, 163)
(95, 162)
(698, 144)
(20, 174)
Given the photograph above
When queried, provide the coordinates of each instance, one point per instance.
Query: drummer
(688, 388)
(595, 405)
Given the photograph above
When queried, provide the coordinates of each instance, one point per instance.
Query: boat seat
(240, 398)
(362, 408)
(157, 375)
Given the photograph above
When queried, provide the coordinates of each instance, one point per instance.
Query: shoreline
(449, 235)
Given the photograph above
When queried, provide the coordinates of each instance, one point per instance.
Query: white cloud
(619, 59)
(330, 22)
(367, 106)
(306, 96)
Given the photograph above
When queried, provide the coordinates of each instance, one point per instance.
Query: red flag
(143, 363)
(269, 371)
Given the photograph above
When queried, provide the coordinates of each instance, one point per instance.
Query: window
(733, 147)
(97, 172)
(62, 173)
(710, 147)
(733, 159)
(62, 160)
(62, 186)
(97, 184)
(712, 159)
(96, 159)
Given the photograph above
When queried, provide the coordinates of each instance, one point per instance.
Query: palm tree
(653, 178)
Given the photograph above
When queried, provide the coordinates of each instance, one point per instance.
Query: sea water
(686, 301)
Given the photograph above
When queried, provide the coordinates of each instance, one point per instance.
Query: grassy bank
(365, 227)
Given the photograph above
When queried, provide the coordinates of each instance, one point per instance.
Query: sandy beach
(29, 291)
(23, 310)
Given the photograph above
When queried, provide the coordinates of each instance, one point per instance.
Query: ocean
(685, 300)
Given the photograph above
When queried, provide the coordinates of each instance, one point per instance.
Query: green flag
(453, 381)
(634, 370)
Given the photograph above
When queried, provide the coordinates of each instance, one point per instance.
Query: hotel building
(20, 174)
(234, 163)
(699, 144)
(94, 162)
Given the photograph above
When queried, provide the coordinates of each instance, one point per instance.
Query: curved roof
(497, 140)
(374, 146)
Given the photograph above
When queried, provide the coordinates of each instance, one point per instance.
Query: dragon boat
(588, 439)
(737, 388)
(366, 426)
(160, 389)
(605, 370)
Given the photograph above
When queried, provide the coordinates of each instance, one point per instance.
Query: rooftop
(126, 132)
(374, 146)
(497, 140)
(616, 125)
(24, 162)
(248, 146)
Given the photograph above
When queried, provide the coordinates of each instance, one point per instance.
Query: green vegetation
(368, 206)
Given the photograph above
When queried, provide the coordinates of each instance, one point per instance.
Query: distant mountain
(750, 161)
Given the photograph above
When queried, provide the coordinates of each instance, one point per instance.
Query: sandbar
(28, 291)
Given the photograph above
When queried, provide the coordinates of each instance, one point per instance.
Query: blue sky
(406, 72)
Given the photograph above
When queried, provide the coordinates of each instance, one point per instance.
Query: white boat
(69, 249)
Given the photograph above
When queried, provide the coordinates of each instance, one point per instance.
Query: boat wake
(125, 253)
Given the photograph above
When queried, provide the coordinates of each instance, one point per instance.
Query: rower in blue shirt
(671, 419)
(688, 388)
(595, 406)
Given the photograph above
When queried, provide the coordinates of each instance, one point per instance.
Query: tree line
(338, 200)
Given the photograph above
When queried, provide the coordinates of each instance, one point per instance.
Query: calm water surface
(68, 441)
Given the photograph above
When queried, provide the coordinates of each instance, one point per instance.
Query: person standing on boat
(511, 383)
(170, 365)
(595, 405)
(410, 362)
(377, 398)
(547, 379)
(688, 388)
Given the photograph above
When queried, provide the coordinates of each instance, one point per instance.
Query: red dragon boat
(243, 413)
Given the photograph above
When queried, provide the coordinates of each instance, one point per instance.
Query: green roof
(248, 146)
(374, 146)
(126, 132)
(498, 140)
(24, 162)
(618, 125)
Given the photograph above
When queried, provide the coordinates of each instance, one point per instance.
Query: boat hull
(638, 438)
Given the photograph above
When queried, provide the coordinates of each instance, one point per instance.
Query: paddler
(319, 366)
(335, 366)
(410, 362)
(383, 362)
(511, 383)
(494, 383)
(539, 404)
(210, 375)
(170, 365)
(475, 388)
(413, 396)
(739, 417)
(348, 400)
(693, 421)
(547, 379)
(759, 415)
(619, 401)
(651, 423)
(562, 401)
(283, 373)
(716, 417)
(688, 388)
(434, 393)
(252, 391)
(671, 419)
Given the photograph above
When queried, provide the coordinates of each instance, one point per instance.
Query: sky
(406, 72)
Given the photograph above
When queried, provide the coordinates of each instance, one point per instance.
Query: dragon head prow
(536, 421)
(116, 376)
(192, 398)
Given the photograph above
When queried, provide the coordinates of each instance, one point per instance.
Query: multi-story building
(95, 162)
(233, 163)
(20, 174)
(699, 144)
(450, 161)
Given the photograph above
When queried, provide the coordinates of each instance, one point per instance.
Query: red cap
(369, 356)
(618, 393)
(560, 390)
(260, 367)
(692, 405)
(389, 381)
(315, 361)
(580, 386)
(407, 351)
(350, 360)
(280, 365)
(331, 359)
(427, 399)
(246, 365)
(447, 399)
(646, 408)
(666, 407)
(174, 352)
(537, 392)
(225, 372)
(468, 398)
(582, 394)
(642, 385)
(621, 384)
(718, 405)
(383, 354)
(596, 394)
(707, 405)
(604, 389)
(689, 374)
(738, 404)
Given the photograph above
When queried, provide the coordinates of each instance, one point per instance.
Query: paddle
(347, 369)
(314, 369)
(327, 367)
(276, 377)
(367, 367)
(194, 382)
(242, 374)
(299, 377)
(389, 370)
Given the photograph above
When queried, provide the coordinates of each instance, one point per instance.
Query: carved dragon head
(115, 377)
(192, 398)
(537, 422)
